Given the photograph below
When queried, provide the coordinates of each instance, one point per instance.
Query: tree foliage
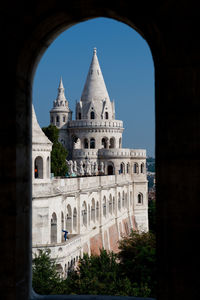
(58, 154)
(138, 259)
(46, 279)
(131, 272)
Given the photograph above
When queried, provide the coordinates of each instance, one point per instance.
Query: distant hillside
(151, 164)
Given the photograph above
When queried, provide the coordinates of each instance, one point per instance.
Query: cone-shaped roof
(95, 88)
(38, 136)
(61, 91)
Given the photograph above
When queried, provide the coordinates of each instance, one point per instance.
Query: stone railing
(72, 185)
(96, 123)
(107, 153)
(122, 153)
(59, 250)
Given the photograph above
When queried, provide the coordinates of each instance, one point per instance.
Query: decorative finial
(61, 84)
(95, 50)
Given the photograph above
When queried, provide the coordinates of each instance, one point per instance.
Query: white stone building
(95, 210)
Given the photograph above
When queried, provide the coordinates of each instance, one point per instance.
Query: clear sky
(127, 66)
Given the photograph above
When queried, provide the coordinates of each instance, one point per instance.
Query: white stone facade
(95, 210)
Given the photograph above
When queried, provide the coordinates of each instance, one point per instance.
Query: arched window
(140, 198)
(48, 167)
(110, 204)
(86, 143)
(142, 168)
(127, 168)
(69, 219)
(123, 199)
(89, 214)
(79, 116)
(93, 211)
(51, 119)
(122, 168)
(119, 201)
(106, 115)
(97, 211)
(112, 143)
(38, 171)
(75, 219)
(63, 118)
(135, 168)
(92, 143)
(57, 119)
(113, 204)
(84, 213)
(110, 170)
(104, 206)
(104, 143)
(92, 115)
(53, 228)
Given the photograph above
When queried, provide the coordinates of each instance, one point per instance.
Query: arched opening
(48, 167)
(86, 143)
(84, 214)
(128, 168)
(113, 204)
(75, 219)
(93, 210)
(123, 199)
(38, 167)
(57, 119)
(110, 204)
(140, 198)
(69, 219)
(89, 214)
(97, 210)
(92, 115)
(79, 116)
(92, 143)
(135, 168)
(104, 143)
(122, 168)
(104, 206)
(142, 168)
(53, 228)
(112, 143)
(106, 115)
(119, 201)
(110, 169)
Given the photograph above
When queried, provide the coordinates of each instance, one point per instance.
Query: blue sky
(127, 66)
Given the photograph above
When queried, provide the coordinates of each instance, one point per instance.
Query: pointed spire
(95, 88)
(61, 91)
(61, 84)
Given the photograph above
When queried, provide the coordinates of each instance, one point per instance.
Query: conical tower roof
(38, 136)
(95, 88)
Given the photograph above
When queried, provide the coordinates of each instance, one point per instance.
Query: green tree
(58, 154)
(46, 279)
(138, 261)
(152, 215)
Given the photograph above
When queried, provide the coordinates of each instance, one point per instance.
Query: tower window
(79, 116)
(92, 115)
(51, 119)
(57, 119)
(106, 115)
(63, 119)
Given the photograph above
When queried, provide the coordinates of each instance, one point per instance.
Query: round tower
(95, 126)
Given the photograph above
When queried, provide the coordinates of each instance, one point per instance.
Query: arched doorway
(110, 169)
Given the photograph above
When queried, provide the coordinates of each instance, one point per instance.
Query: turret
(60, 114)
